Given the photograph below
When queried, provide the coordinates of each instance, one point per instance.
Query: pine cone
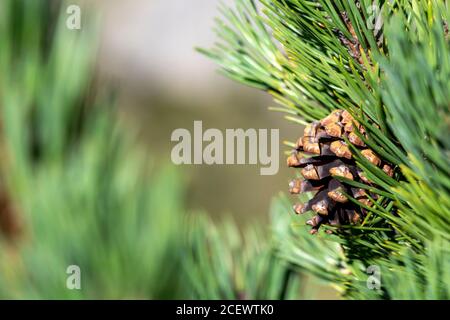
(322, 154)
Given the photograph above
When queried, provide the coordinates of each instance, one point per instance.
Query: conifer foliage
(384, 65)
(368, 84)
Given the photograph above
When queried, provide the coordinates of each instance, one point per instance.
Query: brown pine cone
(322, 154)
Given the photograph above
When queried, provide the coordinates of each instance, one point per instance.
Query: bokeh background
(148, 51)
(77, 189)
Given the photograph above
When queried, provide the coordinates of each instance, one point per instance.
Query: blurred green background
(85, 172)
